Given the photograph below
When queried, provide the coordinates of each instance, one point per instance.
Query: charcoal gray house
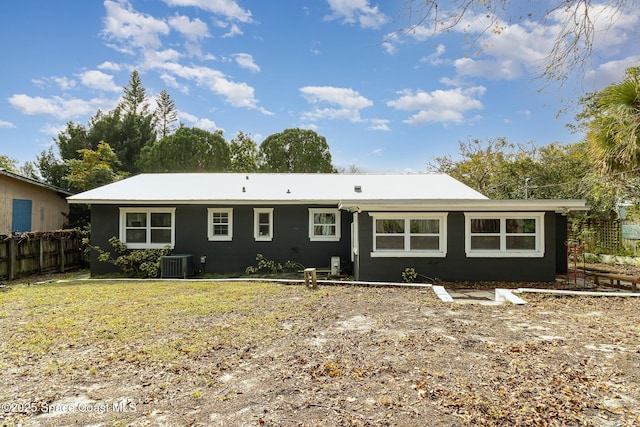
(376, 224)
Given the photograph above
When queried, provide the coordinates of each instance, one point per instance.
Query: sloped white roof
(191, 188)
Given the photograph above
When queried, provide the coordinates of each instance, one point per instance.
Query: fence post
(12, 253)
(61, 246)
(41, 255)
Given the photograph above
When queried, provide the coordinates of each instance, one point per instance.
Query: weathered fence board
(40, 252)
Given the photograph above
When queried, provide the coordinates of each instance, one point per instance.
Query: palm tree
(614, 131)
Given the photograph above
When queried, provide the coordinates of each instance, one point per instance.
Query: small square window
(324, 225)
(220, 224)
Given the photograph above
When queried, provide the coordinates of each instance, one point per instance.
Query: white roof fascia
(204, 202)
(504, 205)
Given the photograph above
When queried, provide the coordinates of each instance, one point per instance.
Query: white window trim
(147, 244)
(219, 237)
(315, 238)
(407, 216)
(538, 252)
(256, 225)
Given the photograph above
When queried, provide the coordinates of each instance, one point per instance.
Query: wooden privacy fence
(40, 252)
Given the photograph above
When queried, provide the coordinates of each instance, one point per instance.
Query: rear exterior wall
(456, 266)
(290, 238)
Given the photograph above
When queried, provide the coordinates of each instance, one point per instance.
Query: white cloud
(227, 8)
(352, 11)
(5, 124)
(609, 72)
(153, 59)
(391, 42)
(513, 49)
(109, 66)
(236, 94)
(198, 122)
(525, 113)
(506, 69)
(95, 79)
(234, 30)
(61, 108)
(421, 33)
(132, 29)
(310, 126)
(444, 106)
(377, 152)
(171, 81)
(63, 83)
(343, 97)
(332, 114)
(193, 30)
(613, 27)
(206, 124)
(379, 124)
(136, 33)
(245, 60)
(52, 129)
(436, 57)
(348, 101)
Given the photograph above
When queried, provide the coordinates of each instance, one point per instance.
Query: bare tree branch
(572, 46)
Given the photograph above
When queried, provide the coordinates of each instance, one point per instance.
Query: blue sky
(385, 100)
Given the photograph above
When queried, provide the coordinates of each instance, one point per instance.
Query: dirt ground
(360, 356)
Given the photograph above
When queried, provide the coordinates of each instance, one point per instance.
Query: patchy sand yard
(254, 354)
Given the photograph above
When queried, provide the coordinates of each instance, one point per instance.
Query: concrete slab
(506, 295)
(442, 293)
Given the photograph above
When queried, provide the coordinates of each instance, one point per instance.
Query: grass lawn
(246, 353)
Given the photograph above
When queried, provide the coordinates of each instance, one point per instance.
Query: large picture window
(147, 228)
(513, 234)
(220, 224)
(324, 225)
(409, 235)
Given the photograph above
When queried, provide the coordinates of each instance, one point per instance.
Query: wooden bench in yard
(597, 275)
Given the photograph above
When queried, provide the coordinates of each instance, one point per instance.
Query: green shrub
(266, 266)
(409, 275)
(140, 263)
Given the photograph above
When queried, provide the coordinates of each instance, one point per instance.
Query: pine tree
(165, 114)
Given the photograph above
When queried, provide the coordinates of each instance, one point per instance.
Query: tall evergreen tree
(165, 114)
(137, 125)
(134, 100)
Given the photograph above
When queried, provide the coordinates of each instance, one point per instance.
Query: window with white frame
(263, 224)
(220, 224)
(409, 235)
(147, 228)
(324, 225)
(504, 235)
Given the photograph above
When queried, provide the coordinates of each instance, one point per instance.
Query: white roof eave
(557, 205)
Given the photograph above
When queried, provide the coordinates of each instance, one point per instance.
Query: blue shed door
(21, 216)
